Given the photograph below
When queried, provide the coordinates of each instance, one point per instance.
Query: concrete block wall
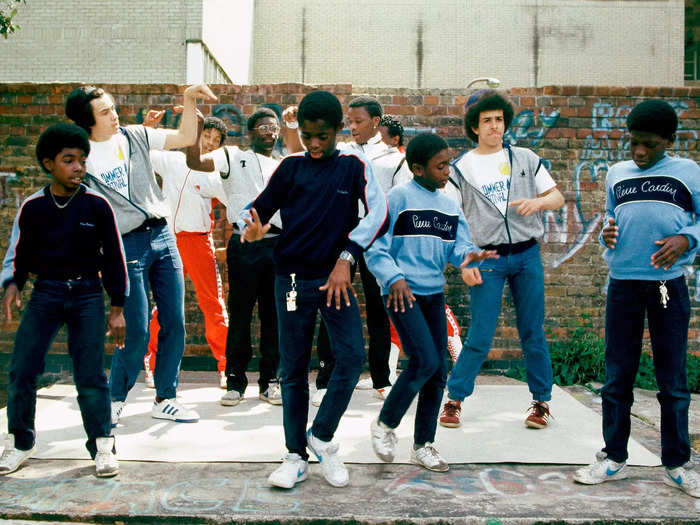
(102, 40)
(578, 130)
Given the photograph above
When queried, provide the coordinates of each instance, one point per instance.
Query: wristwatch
(347, 256)
(292, 125)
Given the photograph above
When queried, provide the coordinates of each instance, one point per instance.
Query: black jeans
(251, 279)
(423, 333)
(78, 304)
(377, 329)
(627, 302)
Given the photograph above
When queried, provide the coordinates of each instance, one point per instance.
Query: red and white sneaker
(539, 415)
(449, 417)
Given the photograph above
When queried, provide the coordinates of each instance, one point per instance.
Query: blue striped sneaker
(173, 410)
(293, 470)
(604, 469)
(686, 480)
(327, 453)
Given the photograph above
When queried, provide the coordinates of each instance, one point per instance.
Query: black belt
(69, 277)
(149, 224)
(511, 249)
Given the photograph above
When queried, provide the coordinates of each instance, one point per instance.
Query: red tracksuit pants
(197, 254)
(454, 342)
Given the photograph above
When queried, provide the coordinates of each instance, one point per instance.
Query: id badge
(291, 300)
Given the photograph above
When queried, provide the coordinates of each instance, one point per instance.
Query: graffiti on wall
(574, 223)
(7, 196)
(528, 130)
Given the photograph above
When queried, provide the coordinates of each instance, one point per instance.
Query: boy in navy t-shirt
(318, 194)
(66, 235)
(650, 233)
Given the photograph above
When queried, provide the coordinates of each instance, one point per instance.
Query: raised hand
(289, 114)
(200, 91)
(254, 230)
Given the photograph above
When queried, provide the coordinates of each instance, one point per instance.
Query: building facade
(378, 43)
(105, 42)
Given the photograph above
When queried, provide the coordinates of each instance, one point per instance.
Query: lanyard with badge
(663, 292)
(291, 295)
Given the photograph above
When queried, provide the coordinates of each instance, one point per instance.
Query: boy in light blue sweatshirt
(426, 231)
(650, 232)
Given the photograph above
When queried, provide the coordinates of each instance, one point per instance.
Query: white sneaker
(604, 469)
(12, 458)
(272, 395)
(382, 393)
(383, 440)
(292, 471)
(364, 384)
(173, 410)
(222, 380)
(428, 457)
(148, 373)
(317, 398)
(117, 407)
(686, 480)
(106, 464)
(327, 453)
(231, 398)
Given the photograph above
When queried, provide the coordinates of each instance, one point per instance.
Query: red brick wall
(579, 130)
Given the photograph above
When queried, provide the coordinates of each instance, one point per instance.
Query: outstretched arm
(186, 134)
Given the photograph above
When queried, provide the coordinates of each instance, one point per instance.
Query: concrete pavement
(147, 492)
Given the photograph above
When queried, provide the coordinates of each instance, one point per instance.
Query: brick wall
(578, 130)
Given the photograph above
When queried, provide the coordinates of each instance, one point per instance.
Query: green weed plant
(580, 359)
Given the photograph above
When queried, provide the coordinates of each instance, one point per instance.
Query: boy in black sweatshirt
(66, 235)
(317, 193)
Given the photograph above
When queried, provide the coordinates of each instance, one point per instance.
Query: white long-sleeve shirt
(189, 210)
(388, 163)
(240, 177)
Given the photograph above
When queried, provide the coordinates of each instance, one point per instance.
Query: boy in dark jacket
(317, 194)
(66, 235)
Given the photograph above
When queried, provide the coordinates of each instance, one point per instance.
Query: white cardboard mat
(492, 431)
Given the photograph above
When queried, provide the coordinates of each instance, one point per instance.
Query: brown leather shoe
(539, 415)
(449, 417)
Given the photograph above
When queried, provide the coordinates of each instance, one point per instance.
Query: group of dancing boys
(302, 226)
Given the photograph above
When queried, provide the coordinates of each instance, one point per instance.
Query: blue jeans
(153, 262)
(525, 276)
(626, 305)
(78, 304)
(296, 332)
(423, 333)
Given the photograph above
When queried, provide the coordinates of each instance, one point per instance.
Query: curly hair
(485, 100)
